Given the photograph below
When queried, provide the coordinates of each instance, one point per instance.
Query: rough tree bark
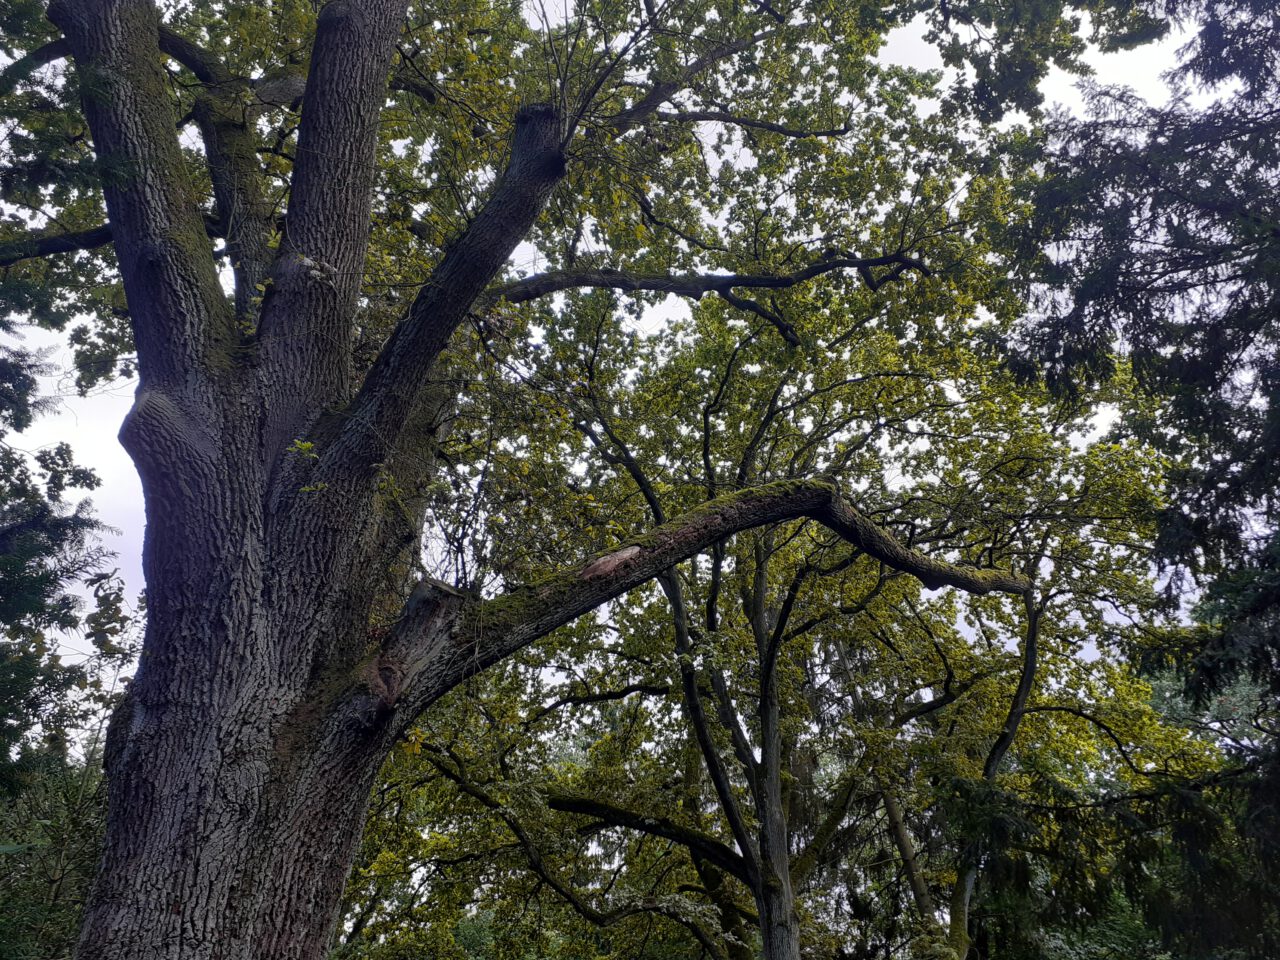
(263, 706)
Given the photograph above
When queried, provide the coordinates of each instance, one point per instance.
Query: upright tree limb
(226, 126)
(907, 851)
(967, 872)
(390, 389)
(803, 864)
(317, 275)
(702, 731)
(176, 304)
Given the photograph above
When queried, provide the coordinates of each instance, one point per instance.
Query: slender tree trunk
(775, 895)
(961, 897)
(779, 922)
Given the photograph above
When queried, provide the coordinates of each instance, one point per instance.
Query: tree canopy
(722, 474)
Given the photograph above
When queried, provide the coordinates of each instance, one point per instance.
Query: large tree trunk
(226, 847)
(238, 767)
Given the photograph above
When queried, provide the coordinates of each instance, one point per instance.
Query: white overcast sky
(90, 424)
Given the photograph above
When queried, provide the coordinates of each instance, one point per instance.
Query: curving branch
(1092, 718)
(579, 904)
(603, 696)
(697, 842)
(205, 64)
(697, 285)
(1026, 679)
(491, 630)
(970, 857)
(701, 284)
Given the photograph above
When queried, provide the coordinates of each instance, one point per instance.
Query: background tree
(1162, 235)
(47, 553)
(51, 695)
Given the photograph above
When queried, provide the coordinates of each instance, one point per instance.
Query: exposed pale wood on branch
(491, 630)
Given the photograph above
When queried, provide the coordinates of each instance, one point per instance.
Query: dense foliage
(53, 691)
(1035, 350)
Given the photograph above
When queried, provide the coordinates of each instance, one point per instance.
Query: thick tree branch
(491, 630)
(29, 63)
(321, 261)
(203, 63)
(44, 243)
(389, 393)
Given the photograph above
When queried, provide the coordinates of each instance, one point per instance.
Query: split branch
(723, 116)
(696, 284)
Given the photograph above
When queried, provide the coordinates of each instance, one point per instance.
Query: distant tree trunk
(775, 895)
(779, 921)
